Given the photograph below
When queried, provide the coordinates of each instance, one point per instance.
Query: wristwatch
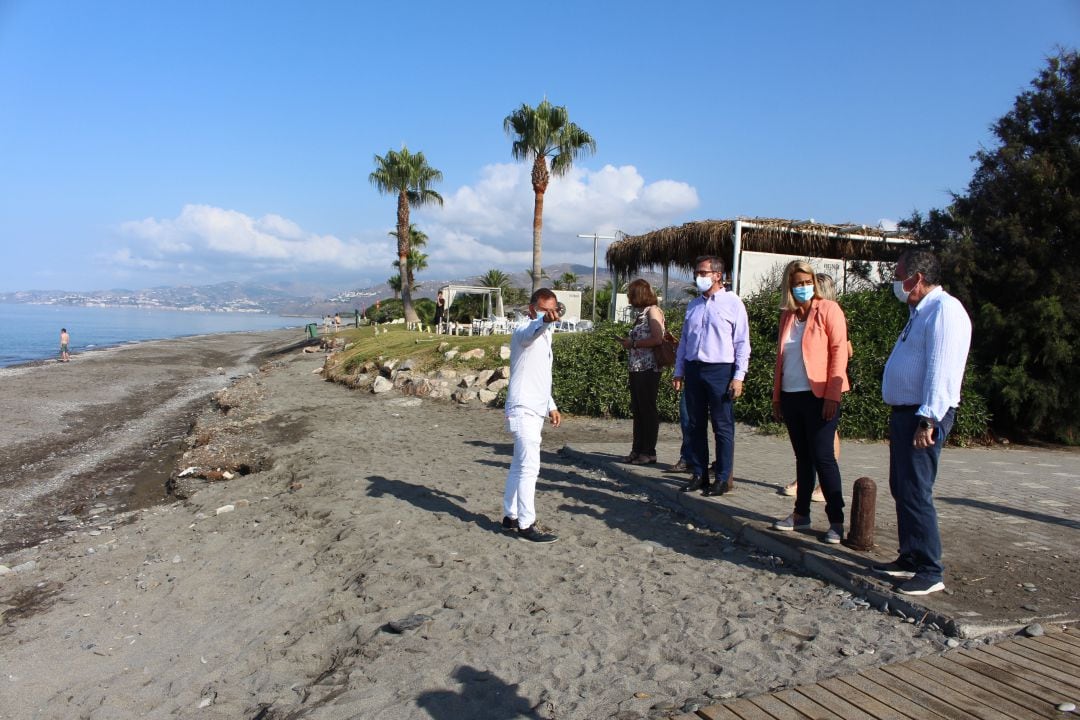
(926, 424)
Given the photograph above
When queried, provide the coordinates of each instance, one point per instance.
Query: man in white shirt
(528, 402)
(921, 383)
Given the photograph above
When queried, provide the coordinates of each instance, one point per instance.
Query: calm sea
(32, 332)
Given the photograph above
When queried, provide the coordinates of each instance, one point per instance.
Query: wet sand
(379, 509)
(107, 425)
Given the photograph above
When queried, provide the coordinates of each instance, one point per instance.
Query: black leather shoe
(697, 482)
(719, 488)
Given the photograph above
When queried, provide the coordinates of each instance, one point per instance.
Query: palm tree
(539, 133)
(394, 282)
(537, 280)
(410, 177)
(495, 278)
(569, 280)
(417, 260)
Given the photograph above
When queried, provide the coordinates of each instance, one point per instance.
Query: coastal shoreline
(96, 348)
(107, 425)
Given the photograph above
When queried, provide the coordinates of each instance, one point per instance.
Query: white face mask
(899, 291)
(703, 283)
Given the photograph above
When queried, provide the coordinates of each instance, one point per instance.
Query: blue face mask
(802, 293)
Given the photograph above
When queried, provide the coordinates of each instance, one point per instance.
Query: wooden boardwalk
(1012, 680)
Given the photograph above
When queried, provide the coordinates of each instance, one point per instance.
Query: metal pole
(595, 237)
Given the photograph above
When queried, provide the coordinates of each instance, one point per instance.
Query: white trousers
(518, 500)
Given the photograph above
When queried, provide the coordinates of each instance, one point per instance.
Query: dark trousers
(812, 440)
(912, 472)
(707, 399)
(644, 387)
(685, 451)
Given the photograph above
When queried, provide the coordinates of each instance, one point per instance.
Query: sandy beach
(362, 573)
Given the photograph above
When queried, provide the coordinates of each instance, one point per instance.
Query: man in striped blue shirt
(921, 383)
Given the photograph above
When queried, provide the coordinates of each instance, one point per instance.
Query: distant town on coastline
(279, 299)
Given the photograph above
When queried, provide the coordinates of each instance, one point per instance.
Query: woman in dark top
(647, 333)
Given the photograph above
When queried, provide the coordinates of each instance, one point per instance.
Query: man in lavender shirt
(713, 355)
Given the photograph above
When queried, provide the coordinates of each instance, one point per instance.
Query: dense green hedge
(589, 376)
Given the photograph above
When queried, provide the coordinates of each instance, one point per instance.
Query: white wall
(572, 300)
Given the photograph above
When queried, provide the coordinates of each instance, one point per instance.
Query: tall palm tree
(410, 177)
(539, 133)
(417, 260)
(531, 272)
(394, 281)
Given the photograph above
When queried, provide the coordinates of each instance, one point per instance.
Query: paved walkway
(1014, 680)
(1009, 518)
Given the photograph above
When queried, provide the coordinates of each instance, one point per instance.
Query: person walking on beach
(644, 374)
(528, 402)
(809, 380)
(712, 359)
(921, 383)
(65, 342)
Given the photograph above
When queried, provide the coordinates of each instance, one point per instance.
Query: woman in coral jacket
(809, 381)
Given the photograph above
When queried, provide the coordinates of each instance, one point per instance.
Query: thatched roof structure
(678, 246)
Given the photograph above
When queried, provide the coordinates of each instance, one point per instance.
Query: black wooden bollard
(863, 508)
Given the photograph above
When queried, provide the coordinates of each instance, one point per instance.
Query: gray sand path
(378, 508)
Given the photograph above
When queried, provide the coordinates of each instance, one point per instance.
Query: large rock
(497, 385)
(358, 381)
(484, 377)
(408, 364)
(418, 387)
(474, 354)
(467, 381)
(486, 396)
(464, 396)
(446, 374)
(504, 352)
(443, 347)
(381, 385)
(501, 373)
(450, 354)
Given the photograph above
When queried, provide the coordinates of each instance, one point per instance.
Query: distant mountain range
(280, 299)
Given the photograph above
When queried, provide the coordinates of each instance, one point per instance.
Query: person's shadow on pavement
(483, 696)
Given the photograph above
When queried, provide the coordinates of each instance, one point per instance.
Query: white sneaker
(835, 535)
(790, 523)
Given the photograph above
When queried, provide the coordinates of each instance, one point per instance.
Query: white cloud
(489, 224)
(888, 225)
(481, 226)
(227, 244)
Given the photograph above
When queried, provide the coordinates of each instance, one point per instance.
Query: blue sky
(161, 143)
